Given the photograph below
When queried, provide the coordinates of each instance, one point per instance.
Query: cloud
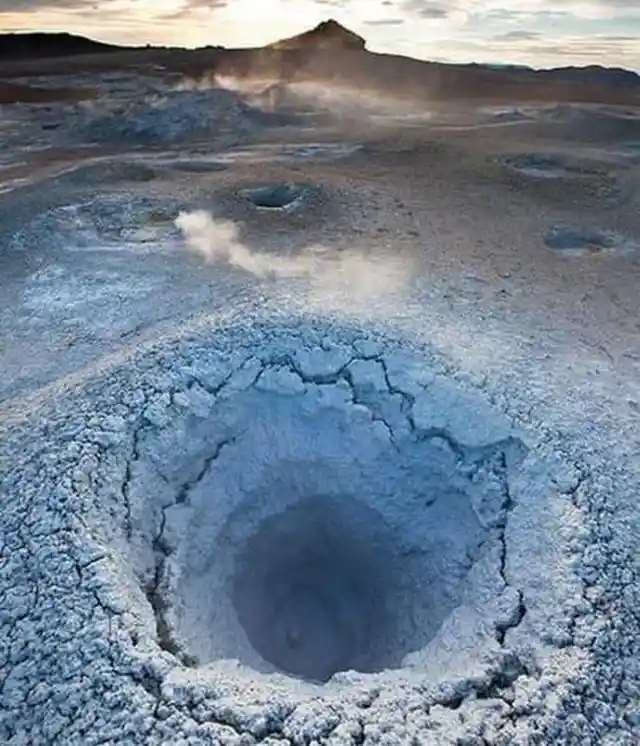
(29, 6)
(516, 36)
(189, 7)
(385, 22)
(427, 9)
(517, 9)
(441, 11)
(163, 8)
(584, 9)
(591, 50)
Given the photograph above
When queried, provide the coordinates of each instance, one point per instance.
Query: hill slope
(33, 45)
(332, 56)
(326, 35)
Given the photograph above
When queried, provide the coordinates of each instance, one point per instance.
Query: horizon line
(441, 61)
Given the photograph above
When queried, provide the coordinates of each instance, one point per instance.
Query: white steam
(217, 241)
(342, 100)
(355, 272)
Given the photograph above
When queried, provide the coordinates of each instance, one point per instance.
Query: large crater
(269, 530)
(310, 517)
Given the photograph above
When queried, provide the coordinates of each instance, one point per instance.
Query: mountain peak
(327, 34)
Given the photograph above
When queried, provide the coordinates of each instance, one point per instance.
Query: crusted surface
(138, 401)
(87, 642)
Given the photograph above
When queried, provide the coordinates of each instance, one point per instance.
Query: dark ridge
(616, 77)
(403, 77)
(40, 44)
(330, 55)
(328, 34)
(596, 75)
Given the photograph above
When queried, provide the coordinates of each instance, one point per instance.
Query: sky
(540, 33)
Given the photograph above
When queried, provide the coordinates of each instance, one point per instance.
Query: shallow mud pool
(332, 447)
(572, 241)
(545, 166)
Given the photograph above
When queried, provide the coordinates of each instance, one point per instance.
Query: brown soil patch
(12, 93)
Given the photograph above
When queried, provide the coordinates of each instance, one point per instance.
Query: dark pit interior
(310, 550)
(312, 589)
(275, 195)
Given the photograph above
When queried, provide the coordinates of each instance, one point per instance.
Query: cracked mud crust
(93, 554)
(190, 447)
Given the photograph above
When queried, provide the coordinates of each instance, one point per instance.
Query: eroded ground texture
(316, 429)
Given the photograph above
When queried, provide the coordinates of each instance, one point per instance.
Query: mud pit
(314, 526)
(107, 223)
(551, 166)
(276, 196)
(332, 520)
(566, 240)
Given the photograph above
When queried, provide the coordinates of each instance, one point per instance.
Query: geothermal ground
(318, 426)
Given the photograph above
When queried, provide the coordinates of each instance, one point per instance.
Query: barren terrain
(319, 411)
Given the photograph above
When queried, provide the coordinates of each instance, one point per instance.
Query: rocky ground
(318, 427)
